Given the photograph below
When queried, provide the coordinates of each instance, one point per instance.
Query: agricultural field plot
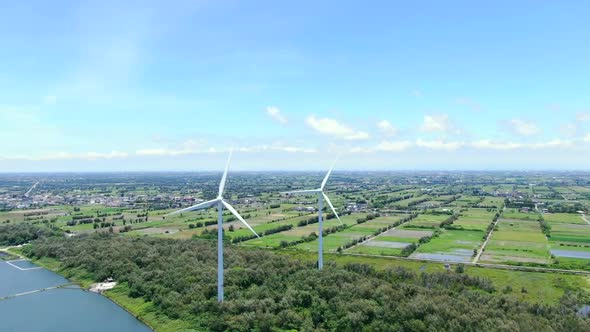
(490, 189)
(565, 218)
(335, 240)
(410, 201)
(32, 215)
(517, 241)
(185, 225)
(465, 200)
(260, 228)
(580, 190)
(569, 241)
(505, 188)
(575, 234)
(524, 189)
(442, 198)
(390, 243)
(492, 201)
(431, 221)
(474, 219)
(451, 245)
(430, 204)
(515, 214)
(296, 233)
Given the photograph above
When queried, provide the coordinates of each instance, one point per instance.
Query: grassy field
(517, 241)
(475, 219)
(427, 221)
(333, 241)
(570, 233)
(492, 201)
(451, 245)
(274, 240)
(390, 243)
(515, 214)
(565, 218)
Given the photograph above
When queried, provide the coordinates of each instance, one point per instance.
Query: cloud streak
(438, 123)
(522, 128)
(387, 128)
(335, 129)
(275, 113)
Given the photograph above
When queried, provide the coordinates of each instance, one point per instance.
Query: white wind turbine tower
(321, 196)
(220, 202)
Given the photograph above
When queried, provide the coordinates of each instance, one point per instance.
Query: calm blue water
(571, 253)
(23, 264)
(61, 310)
(14, 281)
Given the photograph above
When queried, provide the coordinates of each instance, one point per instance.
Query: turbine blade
(301, 192)
(224, 177)
(237, 215)
(328, 175)
(332, 207)
(199, 206)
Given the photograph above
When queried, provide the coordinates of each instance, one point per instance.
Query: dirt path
(585, 219)
(483, 246)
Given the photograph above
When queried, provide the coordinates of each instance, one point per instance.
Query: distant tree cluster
(272, 292)
(15, 234)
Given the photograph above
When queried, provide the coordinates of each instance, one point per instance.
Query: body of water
(571, 253)
(62, 309)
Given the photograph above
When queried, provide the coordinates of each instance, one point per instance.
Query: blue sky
(171, 85)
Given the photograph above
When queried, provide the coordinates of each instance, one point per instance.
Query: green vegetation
(15, 234)
(518, 241)
(173, 282)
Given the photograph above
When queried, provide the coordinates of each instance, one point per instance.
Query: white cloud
(334, 128)
(171, 152)
(393, 146)
(438, 144)
(387, 128)
(275, 113)
(491, 145)
(556, 143)
(279, 147)
(384, 146)
(523, 128)
(587, 138)
(190, 146)
(438, 123)
(294, 149)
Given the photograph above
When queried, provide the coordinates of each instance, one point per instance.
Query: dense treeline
(15, 234)
(271, 292)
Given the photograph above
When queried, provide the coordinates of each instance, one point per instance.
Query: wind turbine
(321, 196)
(220, 202)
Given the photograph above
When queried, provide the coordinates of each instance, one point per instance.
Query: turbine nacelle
(218, 200)
(319, 191)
